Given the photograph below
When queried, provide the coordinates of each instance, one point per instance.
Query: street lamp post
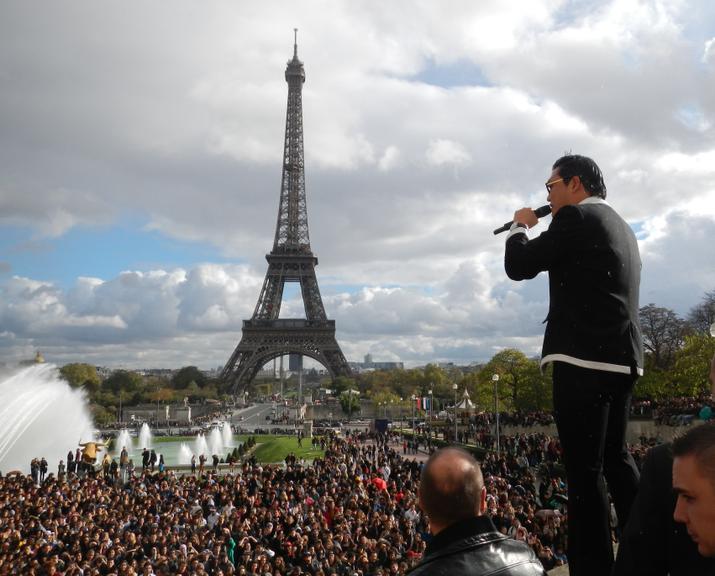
(281, 373)
(454, 387)
(495, 379)
(414, 399)
(300, 387)
(350, 403)
(431, 392)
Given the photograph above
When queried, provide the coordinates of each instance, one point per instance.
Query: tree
(186, 375)
(654, 384)
(350, 402)
(437, 380)
(81, 375)
(515, 371)
(162, 395)
(193, 392)
(196, 394)
(342, 383)
(125, 381)
(105, 398)
(102, 415)
(692, 365)
(663, 334)
(407, 382)
(386, 399)
(536, 391)
(702, 316)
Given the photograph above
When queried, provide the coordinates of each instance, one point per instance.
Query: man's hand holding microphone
(527, 217)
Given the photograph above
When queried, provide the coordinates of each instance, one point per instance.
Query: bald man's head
(451, 488)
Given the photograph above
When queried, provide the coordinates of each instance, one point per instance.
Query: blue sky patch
(97, 252)
(639, 230)
(449, 75)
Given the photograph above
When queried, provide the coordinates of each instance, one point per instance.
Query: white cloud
(443, 152)
(693, 165)
(389, 158)
(110, 113)
(677, 268)
(181, 309)
(708, 51)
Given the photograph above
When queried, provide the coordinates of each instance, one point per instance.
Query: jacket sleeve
(524, 258)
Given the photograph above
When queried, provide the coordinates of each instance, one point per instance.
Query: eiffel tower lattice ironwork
(265, 336)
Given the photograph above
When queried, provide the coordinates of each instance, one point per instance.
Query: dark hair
(699, 442)
(586, 169)
(447, 497)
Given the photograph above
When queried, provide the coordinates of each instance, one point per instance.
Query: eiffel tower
(265, 336)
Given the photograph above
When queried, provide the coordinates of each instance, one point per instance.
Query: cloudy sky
(141, 144)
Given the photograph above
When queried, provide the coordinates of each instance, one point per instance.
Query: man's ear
(483, 501)
(577, 190)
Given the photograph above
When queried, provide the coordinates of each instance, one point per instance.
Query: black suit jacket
(591, 255)
(653, 544)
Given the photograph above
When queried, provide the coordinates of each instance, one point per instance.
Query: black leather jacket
(474, 548)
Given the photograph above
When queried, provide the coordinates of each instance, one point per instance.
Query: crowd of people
(354, 511)
(525, 418)
(675, 411)
(171, 426)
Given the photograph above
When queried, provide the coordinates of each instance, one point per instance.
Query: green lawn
(271, 449)
(160, 439)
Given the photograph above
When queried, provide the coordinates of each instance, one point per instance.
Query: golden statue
(89, 451)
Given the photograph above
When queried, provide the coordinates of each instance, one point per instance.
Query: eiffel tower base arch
(263, 340)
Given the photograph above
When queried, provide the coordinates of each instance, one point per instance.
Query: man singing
(593, 339)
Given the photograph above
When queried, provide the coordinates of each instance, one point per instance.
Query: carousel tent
(466, 405)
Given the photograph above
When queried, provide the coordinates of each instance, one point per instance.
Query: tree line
(130, 388)
(678, 352)
(677, 362)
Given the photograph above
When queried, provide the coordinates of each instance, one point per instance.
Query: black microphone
(540, 213)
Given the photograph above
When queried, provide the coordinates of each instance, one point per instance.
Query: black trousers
(591, 410)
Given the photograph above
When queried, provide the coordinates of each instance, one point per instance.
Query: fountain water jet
(145, 437)
(123, 440)
(185, 454)
(216, 442)
(201, 446)
(227, 435)
(40, 415)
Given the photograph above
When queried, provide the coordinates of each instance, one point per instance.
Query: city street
(259, 416)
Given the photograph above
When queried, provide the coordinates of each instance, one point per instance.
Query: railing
(287, 324)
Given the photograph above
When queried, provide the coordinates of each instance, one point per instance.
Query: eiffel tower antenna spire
(265, 336)
(292, 234)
